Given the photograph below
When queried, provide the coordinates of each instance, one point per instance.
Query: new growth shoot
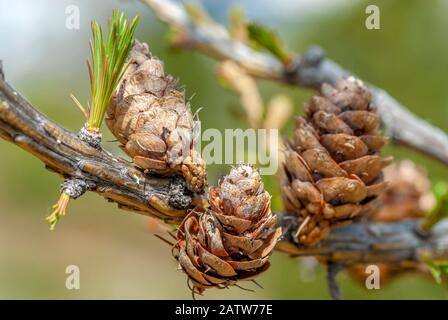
(107, 66)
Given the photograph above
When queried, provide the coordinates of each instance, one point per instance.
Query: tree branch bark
(66, 154)
(369, 242)
(311, 70)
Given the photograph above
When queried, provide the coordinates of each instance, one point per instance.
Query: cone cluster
(233, 239)
(149, 116)
(332, 171)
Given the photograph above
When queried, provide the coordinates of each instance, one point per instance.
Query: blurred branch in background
(200, 32)
(245, 86)
(273, 117)
(279, 108)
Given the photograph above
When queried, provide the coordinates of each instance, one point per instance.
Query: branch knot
(75, 187)
(179, 195)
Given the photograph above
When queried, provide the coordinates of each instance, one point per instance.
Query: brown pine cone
(332, 171)
(233, 239)
(408, 195)
(150, 117)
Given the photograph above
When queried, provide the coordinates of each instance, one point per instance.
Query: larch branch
(369, 242)
(65, 153)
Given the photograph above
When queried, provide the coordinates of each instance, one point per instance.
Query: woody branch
(370, 242)
(311, 71)
(63, 152)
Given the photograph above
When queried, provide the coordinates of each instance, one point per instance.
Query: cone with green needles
(106, 68)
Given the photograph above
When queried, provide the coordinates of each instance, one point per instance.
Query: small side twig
(333, 270)
(2, 75)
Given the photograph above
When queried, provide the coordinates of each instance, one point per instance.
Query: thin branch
(333, 287)
(65, 153)
(311, 70)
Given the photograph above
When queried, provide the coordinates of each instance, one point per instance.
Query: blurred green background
(117, 256)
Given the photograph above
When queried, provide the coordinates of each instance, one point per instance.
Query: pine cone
(151, 119)
(233, 239)
(409, 193)
(332, 171)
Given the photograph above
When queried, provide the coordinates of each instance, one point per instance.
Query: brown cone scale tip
(233, 239)
(332, 173)
(149, 116)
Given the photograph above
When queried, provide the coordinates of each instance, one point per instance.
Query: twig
(66, 154)
(333, 287)
(246, 87)
(311, 70)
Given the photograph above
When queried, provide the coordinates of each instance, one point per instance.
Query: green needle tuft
(266, 39)
(438, 268)
(108, 63)
(440, 209)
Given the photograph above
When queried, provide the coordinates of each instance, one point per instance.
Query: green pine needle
(438, 268)
(108, 63)
(440, 209)
(268, 40)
